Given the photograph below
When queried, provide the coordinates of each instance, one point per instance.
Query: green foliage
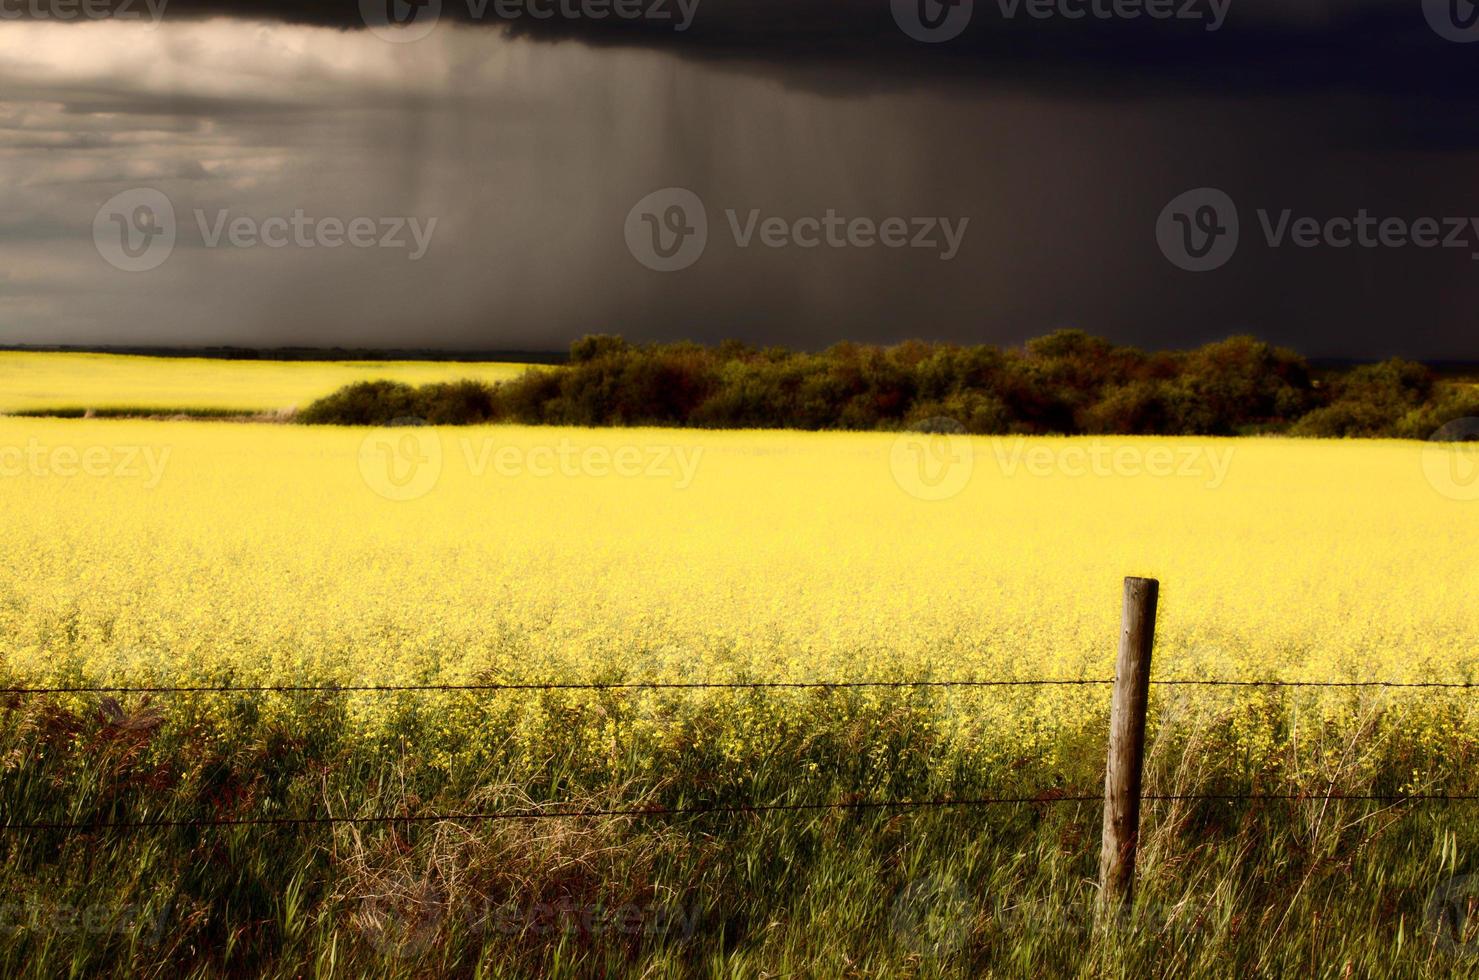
(1067, 382)
(1393, 398)
(364, 403)
(593, 347)
(1225, 888)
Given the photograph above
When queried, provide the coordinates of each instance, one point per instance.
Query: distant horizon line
(303, 353)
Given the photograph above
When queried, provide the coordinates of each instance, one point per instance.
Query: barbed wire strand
(1179, 682)
(1048, 797)
(711, 685)
(538, 686)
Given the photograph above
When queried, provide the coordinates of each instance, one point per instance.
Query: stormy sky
(478, 177)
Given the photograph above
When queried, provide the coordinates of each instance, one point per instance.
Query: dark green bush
(1390, 398)
(364, 403)
(457, 403)
(1066, 382)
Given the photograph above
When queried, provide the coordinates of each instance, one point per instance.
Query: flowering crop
(43, 381)
(261, 554)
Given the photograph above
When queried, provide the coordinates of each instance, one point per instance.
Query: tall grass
(1315, 887)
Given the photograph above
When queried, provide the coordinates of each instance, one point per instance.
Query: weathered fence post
(1127, 746)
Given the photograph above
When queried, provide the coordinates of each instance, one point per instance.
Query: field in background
(38, 381)
(266, 552)
(230, 554)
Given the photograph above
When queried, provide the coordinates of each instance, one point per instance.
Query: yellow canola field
(189, 551)
(36, 380)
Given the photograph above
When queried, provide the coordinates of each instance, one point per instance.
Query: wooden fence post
(1127, 746)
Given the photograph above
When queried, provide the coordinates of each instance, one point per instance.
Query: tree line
(1067, 382)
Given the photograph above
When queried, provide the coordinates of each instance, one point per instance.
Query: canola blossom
(32, 381)
(147, 553)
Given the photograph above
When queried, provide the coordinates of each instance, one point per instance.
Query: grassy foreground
(1318, 888)
(203, 553)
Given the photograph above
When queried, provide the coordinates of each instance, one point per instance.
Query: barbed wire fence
(712, 685)
(1121, 798)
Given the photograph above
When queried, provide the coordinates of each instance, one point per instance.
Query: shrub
(1244, 382)
(593, 347)
(364, 403)
(457, 403)
(1149, 407)
(980, 413)
(1343, 419)
(1066, 382)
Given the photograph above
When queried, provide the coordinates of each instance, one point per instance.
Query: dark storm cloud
(1060, 141)
(1367, 44)
(1419, 88)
